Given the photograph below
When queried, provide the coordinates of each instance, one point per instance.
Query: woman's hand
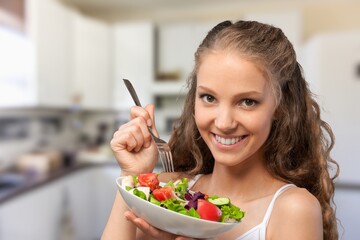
(151, 231)
(132, 144)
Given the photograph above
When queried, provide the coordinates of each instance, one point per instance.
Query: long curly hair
(299, 144)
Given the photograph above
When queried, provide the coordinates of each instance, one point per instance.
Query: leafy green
(154, 201)
(135, 180)
(230, 213)
(139, 193)
(181, 188)
(174, 205)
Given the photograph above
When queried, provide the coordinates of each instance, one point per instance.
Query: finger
(150, 109)
(136, 130)
(129, 138)
(145, 138)
(146, 228)
(137, 111)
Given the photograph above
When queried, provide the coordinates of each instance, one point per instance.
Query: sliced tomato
(161, 194)
(208, 211)
(149, 180)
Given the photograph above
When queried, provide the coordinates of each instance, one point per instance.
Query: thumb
(150, 109)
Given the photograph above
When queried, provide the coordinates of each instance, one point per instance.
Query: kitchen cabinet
(133, 59)
(104, 182)
(92, 77)
(79, 197)
(63, 59)
(176, 45)
(33, 216)
(48, 26)
(15, 61)
(76, 206)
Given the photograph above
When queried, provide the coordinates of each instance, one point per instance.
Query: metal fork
(162, 146)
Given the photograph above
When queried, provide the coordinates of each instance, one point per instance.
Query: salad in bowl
(174, 208)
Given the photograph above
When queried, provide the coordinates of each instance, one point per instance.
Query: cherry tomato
(208, 211)
(161, 194)
(149, 180)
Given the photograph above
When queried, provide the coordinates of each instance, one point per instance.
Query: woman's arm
(117, 226)
(136, 153)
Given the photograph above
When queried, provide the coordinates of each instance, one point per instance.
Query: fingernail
(149, 122)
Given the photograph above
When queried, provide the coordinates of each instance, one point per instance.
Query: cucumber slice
(221, 201)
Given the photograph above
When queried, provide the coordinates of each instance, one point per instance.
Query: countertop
(31, 183)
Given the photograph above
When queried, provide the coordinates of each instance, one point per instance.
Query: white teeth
(227, 141)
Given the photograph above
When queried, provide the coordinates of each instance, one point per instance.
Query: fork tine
(162, 159)
(170, 162)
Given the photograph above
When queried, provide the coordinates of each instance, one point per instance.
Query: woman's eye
(207, 98)
(248, 103)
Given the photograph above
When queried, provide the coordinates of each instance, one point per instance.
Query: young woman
(250, 130)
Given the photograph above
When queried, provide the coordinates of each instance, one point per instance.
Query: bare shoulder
(298, 199)
(296, 213)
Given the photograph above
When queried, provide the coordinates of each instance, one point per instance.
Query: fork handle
(132, 92)
(134, 96)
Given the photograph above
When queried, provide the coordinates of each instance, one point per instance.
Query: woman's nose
(225, 120)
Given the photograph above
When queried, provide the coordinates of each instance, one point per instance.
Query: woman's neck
(245, 182)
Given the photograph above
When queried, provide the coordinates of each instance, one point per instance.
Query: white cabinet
(76, 206)
(49, 24)
(177, 43)
(104, 183)
(133, 59)
(92, 79)
(33, 216)
(79, 197)
(62, 59)
(16, 60)
(90, 195)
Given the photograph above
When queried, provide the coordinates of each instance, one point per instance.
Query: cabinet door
(104, 183)
(49, 26)
(15, 60)
(92, 80)
(177, 43)
(33, 216)
(79, 195)
(134, 60)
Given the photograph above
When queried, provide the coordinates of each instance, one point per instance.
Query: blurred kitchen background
(62, 97)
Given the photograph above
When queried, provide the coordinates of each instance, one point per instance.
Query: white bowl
(171, 221)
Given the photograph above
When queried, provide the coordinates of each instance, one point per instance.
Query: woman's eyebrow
(250, 92)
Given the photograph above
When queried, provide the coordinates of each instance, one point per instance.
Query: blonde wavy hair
(299, 144)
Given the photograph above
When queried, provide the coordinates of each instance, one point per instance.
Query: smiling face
(234, 107)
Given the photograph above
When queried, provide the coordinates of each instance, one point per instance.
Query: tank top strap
(271, 205)
(192, 182)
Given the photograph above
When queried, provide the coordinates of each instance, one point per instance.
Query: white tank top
(259, 231)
